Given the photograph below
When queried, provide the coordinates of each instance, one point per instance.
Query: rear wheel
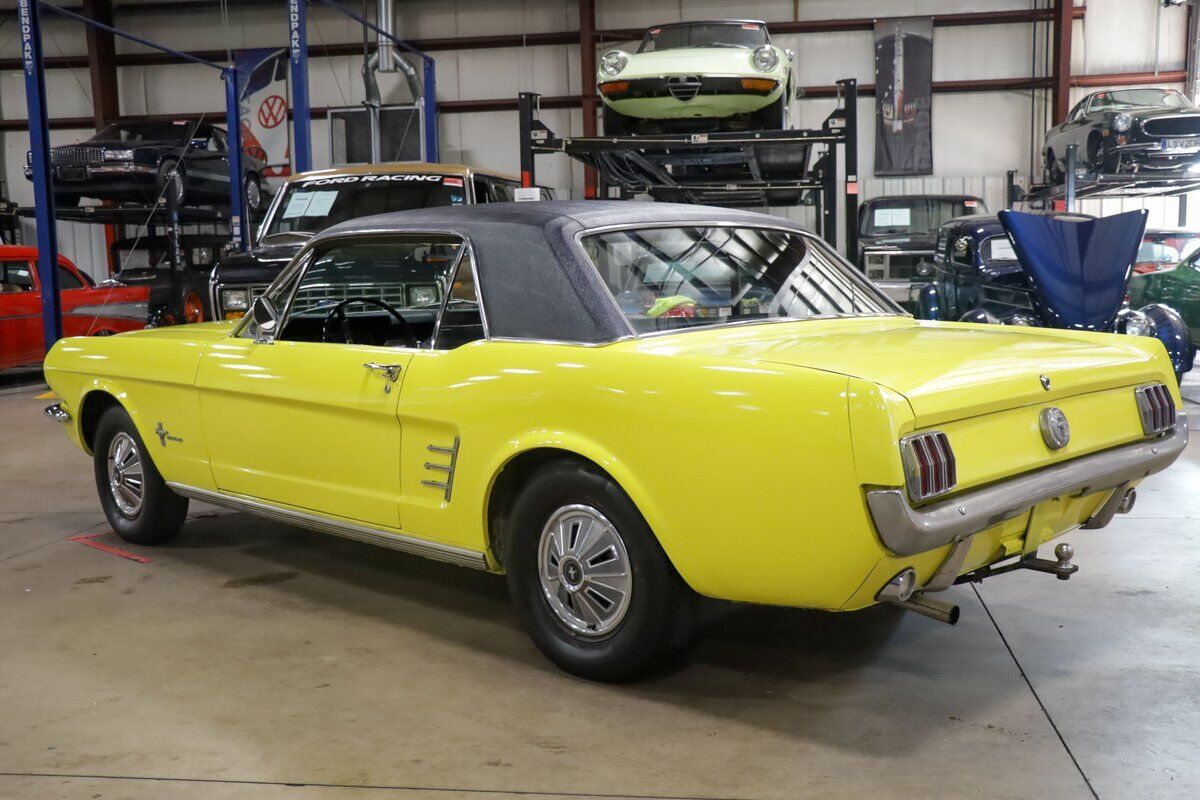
(137, 501)
(254, 192)
(589, 580)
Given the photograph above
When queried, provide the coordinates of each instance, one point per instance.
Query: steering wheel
(339, 312)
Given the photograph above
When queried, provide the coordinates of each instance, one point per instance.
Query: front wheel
(171, 178)
(616, 123)
(590, 582)
(773, 117)
(139, 505)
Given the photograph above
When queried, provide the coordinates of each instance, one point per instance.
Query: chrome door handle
(390, 371)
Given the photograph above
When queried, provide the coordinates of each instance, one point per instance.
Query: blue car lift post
(39, 148)
(302, 110)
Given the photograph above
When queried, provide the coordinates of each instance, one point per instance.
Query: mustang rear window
(682, 277)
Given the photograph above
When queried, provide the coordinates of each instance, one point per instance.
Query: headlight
(924, 269)
(422, 295)
(764, 58)
(118, 155)
(202, 256)
(235, 299)
(612, 62)
(1122, 122)
(1135, 323)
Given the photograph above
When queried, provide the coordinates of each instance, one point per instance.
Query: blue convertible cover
(1079, 266)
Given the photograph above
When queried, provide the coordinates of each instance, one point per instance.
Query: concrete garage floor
(251, 660)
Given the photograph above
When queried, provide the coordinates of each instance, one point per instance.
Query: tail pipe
(901, 591)
(928, 607)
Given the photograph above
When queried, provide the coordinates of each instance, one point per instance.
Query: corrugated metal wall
(977, 137)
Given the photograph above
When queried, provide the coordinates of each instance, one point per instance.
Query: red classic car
(88, 309)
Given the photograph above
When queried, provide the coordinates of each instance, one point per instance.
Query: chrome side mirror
(266, 318)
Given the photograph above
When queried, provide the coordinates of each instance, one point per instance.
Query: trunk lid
(947, 371)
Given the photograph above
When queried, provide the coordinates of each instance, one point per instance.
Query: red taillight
(929, 466)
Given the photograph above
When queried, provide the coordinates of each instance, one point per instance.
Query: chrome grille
(930, 468)
(1172, 126)
(77, 156)
(310, 298)
(1156, 407)
(683, 87)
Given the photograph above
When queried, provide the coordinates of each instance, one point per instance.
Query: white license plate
(1191, 143)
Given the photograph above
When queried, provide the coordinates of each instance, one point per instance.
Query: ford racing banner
(262, 76)
(903, 102)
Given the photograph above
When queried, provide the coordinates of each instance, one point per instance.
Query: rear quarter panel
(744, 470)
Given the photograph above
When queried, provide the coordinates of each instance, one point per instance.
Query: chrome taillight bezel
(1156, 408)
(930, 469)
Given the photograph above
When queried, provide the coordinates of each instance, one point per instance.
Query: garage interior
(251, 659)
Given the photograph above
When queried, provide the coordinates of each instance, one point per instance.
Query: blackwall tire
(139, 505)
(177, 181)
(650, 616)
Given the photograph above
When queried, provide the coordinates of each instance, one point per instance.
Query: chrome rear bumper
(57, 413)
(905, 530)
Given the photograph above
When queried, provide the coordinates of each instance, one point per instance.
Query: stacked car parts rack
(734, 168)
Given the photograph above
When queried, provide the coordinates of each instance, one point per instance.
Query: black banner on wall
(903, 102)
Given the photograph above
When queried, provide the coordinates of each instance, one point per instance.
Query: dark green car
(1178, 287)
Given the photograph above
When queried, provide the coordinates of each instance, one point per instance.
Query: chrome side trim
(57, 413)
(447, 486)
(906, 531)
(462, 556)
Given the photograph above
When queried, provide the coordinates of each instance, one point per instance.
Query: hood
(947, 371)
(197, 333)
(1078, 267)
(117, 144)
(259, 265)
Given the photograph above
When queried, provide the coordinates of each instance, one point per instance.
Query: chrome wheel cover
(125, 479)
(584, 569)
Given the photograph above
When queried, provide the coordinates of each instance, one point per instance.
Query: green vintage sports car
(697, 76)
(1177, 287)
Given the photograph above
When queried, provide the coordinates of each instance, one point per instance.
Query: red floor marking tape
(104, 548)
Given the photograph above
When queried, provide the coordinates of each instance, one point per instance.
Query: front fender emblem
(165, 436)
(1045, 382)
(1056, 431)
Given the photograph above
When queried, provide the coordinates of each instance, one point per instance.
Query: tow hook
(1062, 568)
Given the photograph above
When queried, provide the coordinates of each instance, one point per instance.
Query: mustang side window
(386, 292)
(461, 321)
(680, 277)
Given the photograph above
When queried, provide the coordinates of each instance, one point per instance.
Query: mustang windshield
(683, 277)
(1131, 98)
(312, 206)
(704, 34)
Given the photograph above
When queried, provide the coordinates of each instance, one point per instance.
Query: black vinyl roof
(535, 281)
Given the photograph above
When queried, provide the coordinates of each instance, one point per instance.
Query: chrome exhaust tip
(1127, 502)
(928, 607)
(900, 588)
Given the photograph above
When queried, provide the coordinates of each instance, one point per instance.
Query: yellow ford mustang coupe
(620, 406)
